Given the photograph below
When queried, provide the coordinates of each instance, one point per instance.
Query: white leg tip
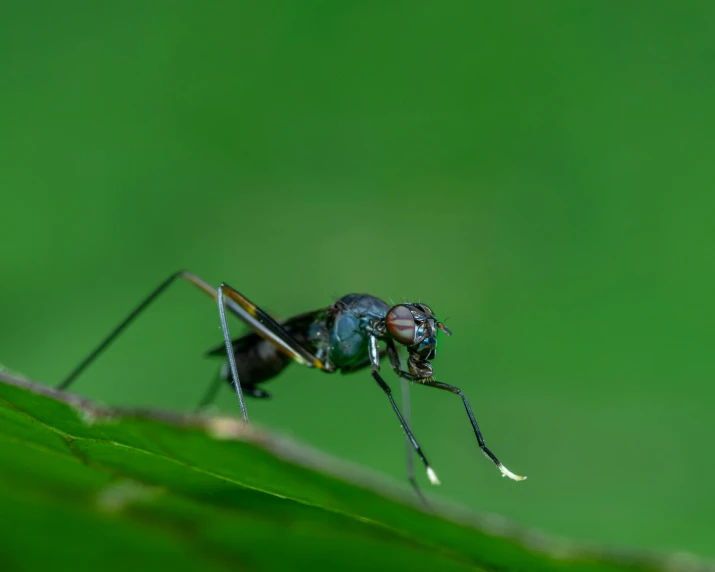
(507, 473)
(432, 476)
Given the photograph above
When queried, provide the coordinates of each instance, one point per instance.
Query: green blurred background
(540, 173)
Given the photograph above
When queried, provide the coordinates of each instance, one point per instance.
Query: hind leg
(220, 379)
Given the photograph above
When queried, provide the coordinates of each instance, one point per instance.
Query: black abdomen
(258, 360)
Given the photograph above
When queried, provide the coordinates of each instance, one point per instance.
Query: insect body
(344, 337)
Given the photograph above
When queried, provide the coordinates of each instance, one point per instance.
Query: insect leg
(211, 392)
(264, 326)
(405, 387)
(67, 381)
(229, 351)
(196, 281)
(375, 360)
(237, 304)
(268, 329)
(504, 471)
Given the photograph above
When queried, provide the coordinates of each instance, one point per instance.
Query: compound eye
(401, 325)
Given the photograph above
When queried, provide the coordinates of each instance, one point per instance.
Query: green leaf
(87, 485)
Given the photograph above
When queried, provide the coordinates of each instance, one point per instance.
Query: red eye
(401, 325)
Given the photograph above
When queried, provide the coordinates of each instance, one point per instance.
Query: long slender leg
(234, 302)
(229, 350)
(375, 360)
(67, 381)
(405, 386)
(415, 445)
(268, 328)
(211, 392)
(445, 386)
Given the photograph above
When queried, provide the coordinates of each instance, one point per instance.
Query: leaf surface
(87, 484)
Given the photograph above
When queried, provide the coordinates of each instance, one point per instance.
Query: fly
(343, 337)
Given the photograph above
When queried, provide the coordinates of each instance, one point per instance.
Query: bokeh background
(540, 173)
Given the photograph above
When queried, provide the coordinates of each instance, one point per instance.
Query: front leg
(446, 387)
(405, 386)
(395, 362)
(375, 362)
